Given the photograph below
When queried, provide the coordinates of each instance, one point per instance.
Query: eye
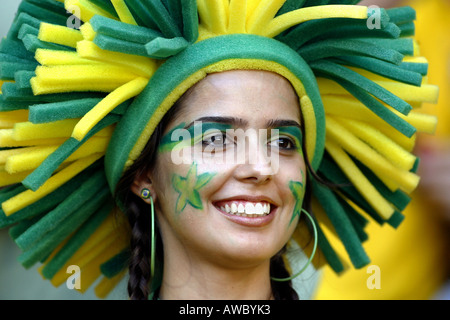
(216, 140)
(284, 143)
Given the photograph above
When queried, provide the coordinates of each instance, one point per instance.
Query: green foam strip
(357, 220)
(384, 69)
(141, 13)
(49, 5)
(161, 48)
(116, 264)
(9, 69)
(72, 109)
(190, 20)
(76, 241)
(398, 198)
(349, 47)
(405, 46)
(176, 11)
(330, 170)
(123, 31)
(106, 5)
(421, 68)
(162, 18)
(342, 225)
(402, 14)
(15, 48)
(18, 229)
(55, 218)
(291, 5)
(52, 239)
(48, 202)
(12, 105)
(407, 29)
(12, 92)
(22, 79)
(22, 18)
(329, 253)
(27, 29)
(117, 45)
(396, 219)
(42, 12)
(32, 43)
(336, 71)
(42, 173)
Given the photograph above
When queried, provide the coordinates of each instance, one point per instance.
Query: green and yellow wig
(85, 83)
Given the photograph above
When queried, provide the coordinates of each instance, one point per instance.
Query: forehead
(254, 96)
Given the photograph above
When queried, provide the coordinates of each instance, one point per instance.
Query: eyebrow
(238, 122)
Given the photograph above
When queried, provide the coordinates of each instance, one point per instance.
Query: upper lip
(249, 198)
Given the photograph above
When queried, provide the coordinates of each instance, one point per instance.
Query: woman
(225, 253)
(188, 114)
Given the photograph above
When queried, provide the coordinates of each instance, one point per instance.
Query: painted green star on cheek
(298, 192)
(188, 187)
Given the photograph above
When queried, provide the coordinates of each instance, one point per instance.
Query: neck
(195, 279)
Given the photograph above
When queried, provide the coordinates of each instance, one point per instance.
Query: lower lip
(249, 221)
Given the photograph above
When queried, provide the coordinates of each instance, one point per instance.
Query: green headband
(77, 107)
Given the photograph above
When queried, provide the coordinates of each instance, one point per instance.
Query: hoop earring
(146, 194)
(153, 235)
(312, 254)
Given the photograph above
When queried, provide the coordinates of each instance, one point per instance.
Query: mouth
(247, 212)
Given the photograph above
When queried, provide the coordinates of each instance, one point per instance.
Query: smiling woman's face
(218, 197)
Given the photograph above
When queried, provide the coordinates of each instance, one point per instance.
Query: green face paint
(188, 188)
(298, 190)
(292, 134)
(182, 136)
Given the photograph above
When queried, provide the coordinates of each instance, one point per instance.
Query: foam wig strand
(84, 83)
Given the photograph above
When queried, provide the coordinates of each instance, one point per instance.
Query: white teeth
(248, 208)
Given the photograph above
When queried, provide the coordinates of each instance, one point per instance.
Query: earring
(145, 193)
(153, 235)
(312, 254)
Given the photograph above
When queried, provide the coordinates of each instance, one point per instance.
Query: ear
(143, 181)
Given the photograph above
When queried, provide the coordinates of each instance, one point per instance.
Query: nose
(255, 164)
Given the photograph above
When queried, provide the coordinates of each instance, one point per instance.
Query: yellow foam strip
(5, 154)
(103, 232)
(359, 180)
(88, 32)
(52, 57)
(217, 16)
(142, 66)
(251, 7)
(425, 93)
(122, 94)
(28, 197)
(32, 159)
(79, 78)
(106, 285)
(263, 14)
(123, 12)
(399, 138)
(84, 73)
(85, 10)
(415, 59)
(14, 116)
(237, 16)
(92, 271)
(385, 146)
(56, 129)
(205, 18)
(59, 34)
(7, 179)
(7, 140)
(289, 19)
(406, 180)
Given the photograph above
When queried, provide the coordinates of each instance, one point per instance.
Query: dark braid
(139, 266)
